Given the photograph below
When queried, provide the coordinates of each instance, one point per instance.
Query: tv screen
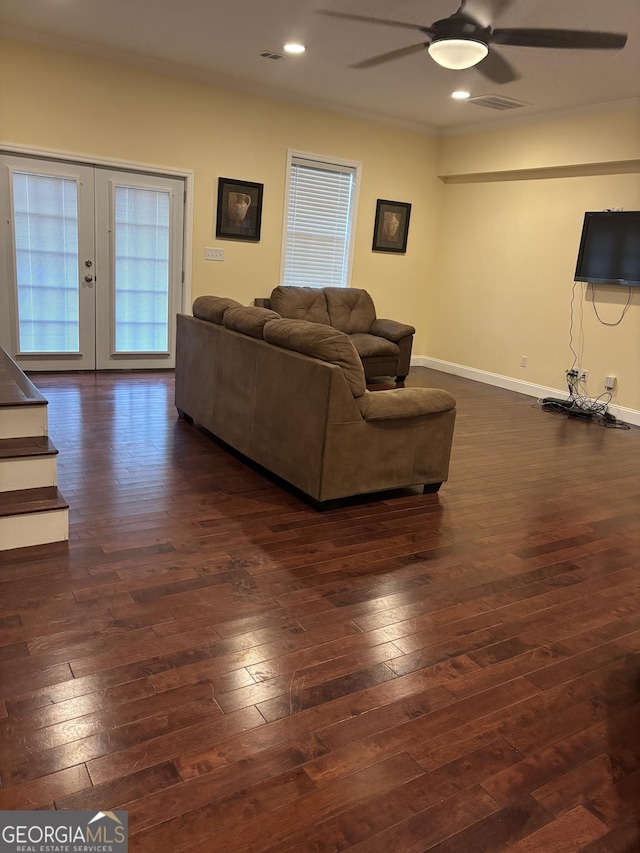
(609, 250)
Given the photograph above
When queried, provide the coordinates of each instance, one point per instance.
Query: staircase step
(27, 501)
(20, 531)
(32, 510)
(28, 445)
(19, 421)
(33, 517)
(27, 472)
(27, 463)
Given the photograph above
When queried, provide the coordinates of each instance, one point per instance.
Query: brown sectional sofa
(291, 396)
(384, 346)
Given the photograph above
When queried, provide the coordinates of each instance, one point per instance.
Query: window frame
(321, 159)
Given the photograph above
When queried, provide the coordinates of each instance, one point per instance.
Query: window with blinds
(319, 221)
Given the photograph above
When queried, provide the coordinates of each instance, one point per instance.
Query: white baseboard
(629, 416)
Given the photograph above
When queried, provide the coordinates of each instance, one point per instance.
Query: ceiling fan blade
(496, 68)
(576, 39)
(485, 12)
(367, 20)
(392, 54)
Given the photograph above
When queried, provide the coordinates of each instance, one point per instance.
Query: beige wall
(488, 274)
(75, 103)
(606, 137)
(507, 252)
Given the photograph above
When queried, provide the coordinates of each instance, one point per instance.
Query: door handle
(88, 279)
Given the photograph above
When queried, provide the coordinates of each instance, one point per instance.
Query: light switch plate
(214, 254)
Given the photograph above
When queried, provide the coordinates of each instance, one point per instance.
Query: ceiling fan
(466, 38)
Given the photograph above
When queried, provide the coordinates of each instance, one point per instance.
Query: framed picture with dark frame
(391, 227)
(239, 212)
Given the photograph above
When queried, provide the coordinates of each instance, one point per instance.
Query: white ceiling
(222, 41)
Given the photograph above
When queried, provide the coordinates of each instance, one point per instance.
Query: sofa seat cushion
(351, 309)
(319, 341)
(212, 308)
(300, 303)
(404, 403)
(369, 346)
(248, 319)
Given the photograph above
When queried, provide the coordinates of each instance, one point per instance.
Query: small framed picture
(239, 212)
(391, 227)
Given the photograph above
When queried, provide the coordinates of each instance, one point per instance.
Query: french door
(93, 266)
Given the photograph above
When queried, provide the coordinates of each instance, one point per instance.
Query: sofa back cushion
(212, 308)
(319, 341)
(248, 319)
(300, 303)
(351, 310)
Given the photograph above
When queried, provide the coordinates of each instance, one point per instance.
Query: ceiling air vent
(269, 54)
(497, 102)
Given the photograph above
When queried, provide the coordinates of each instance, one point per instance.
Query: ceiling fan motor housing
(460, 27)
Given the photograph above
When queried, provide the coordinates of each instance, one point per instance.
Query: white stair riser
(36, 528)
(21, 421)
(27, 472)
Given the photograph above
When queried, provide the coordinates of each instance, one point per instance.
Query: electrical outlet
(523, 361)
(583, 375)
(610, 382)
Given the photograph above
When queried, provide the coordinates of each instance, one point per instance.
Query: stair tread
(23, 501)
(32, 445)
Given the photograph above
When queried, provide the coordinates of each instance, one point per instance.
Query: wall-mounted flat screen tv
(609, 250)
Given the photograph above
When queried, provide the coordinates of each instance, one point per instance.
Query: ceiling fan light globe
(457, 53)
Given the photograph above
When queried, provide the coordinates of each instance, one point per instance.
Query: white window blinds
(142, 218)
(46, 233)
(319, 223)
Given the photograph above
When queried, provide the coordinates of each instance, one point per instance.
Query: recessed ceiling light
(294, 47)
(460, 95)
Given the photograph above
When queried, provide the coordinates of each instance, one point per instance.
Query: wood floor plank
(479, 829)
(567, 834)
(155, 747)
(454, 672)
(359, 826)
(294, 822)
(43, 790)
(588, 780)
(203, 786)
(119, 792)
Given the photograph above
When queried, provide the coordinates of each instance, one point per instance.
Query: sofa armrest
(404, 403)
(391, 330)
(261, 302)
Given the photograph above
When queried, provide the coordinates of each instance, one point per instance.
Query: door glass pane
(47, 269)
(141, 269)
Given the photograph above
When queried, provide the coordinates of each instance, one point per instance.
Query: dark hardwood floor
(457, 673)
